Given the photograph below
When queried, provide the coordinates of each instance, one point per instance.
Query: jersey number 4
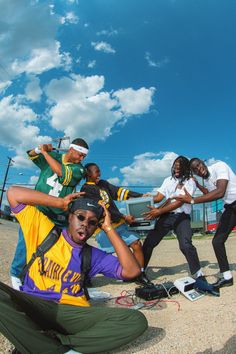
(56, 186)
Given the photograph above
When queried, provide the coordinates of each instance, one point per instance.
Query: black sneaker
(143, 280)
(221, 283)
(202, 277)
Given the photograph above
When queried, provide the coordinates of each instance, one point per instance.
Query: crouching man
(51, 314)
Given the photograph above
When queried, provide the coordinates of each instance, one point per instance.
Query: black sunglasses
(81, 217)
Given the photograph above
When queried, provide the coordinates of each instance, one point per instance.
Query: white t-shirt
(169, 190)
(220, 170)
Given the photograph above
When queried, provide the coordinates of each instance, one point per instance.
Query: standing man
(101, 190)
(60, 173)
(51, 314)
(220, 182)
(175, 215)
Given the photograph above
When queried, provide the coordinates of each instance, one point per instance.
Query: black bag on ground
(158, 291)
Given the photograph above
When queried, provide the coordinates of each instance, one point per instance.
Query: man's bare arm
(18, 195)
(167, 208)
(158, 197)
(203, 189)
(217, 193)
(44, 149)
(54, 164)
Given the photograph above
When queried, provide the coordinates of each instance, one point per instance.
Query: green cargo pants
(37, 326)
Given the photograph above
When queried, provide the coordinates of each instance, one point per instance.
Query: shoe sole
(226, 285)
(222, 286)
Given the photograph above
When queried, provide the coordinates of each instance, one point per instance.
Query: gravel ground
(179, 326)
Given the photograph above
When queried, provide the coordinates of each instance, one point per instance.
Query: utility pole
(204, 211)
(4, 182)
(59, 140)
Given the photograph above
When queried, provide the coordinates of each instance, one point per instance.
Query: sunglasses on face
(81, 217)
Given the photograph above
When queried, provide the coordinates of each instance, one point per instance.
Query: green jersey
(50, 183)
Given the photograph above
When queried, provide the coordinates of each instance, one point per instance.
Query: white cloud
(27, 41)
(108, 33)
(114, 180)
(4, 85)
(52, 8)
(72, 1)
(91, 64)
(33, 90)
(70, 17)
(81, 107)
(148, 169)
(156, 64)
(135, 101)
(33, 179)
(21, 160)
(103, 47)
(78, 60)
(42, 59)
(18, 131)
(74, 87)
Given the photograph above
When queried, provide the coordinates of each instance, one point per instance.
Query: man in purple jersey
(51, 314)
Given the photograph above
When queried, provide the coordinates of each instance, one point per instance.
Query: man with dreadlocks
(174, 215)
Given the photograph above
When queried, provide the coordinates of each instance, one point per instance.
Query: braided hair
(185, 171)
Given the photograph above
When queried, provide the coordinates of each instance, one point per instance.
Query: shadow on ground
(155, 273)
(229, 348)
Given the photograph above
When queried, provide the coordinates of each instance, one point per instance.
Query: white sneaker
(16, 282)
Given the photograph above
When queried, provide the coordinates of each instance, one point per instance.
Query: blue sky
(141, 81)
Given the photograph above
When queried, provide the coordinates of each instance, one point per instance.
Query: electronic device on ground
(136, 207)
(96, 294)
(186, 287)
(162, 290)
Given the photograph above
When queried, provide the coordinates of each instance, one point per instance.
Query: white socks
(16, 282)
(227, 275)
(199, 273)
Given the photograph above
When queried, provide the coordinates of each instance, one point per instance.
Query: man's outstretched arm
(18, 195)
(217, 193)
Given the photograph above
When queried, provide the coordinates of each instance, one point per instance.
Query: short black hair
(185, 170)
(80, 142)
(88, 166)
(195, 159)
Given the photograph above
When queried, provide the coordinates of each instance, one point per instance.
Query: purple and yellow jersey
(62, 263)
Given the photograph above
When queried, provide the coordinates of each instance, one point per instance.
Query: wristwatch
(192, 201)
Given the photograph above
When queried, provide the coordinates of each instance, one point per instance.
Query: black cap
(87, 204)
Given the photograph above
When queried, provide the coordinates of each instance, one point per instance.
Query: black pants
(226, 225)
(180, 224)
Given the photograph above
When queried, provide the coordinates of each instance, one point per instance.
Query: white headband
(79, 148)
